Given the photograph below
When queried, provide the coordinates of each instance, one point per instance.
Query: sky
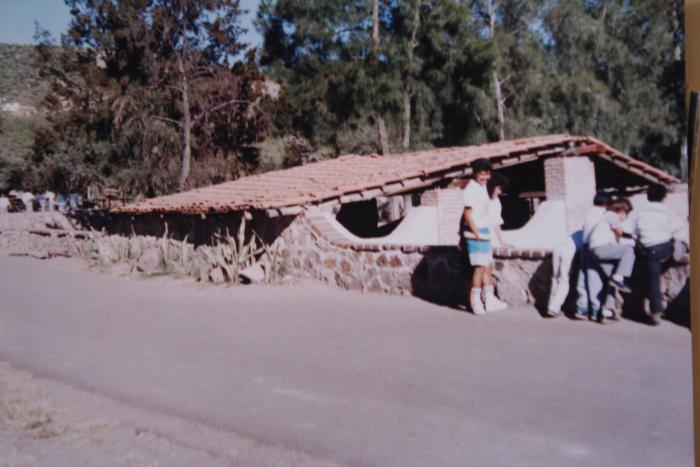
(17, 19)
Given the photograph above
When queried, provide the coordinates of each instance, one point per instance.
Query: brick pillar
(449, 206)
(572, 180)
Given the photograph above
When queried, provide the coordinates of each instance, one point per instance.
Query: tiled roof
(356, 177)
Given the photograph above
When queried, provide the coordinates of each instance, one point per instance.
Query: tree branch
(168, 120)
(225, 104)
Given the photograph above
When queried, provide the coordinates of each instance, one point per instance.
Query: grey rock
(149, 262)
(255, 273)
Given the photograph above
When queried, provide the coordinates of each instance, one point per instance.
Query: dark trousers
(654, 256)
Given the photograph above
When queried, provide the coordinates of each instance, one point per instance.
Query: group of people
(28, 202)
(607, 247)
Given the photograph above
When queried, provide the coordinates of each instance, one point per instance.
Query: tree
(137, 82)
(616, 74)
(414, 66)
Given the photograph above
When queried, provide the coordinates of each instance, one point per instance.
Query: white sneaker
(494, 304)
(477, 306)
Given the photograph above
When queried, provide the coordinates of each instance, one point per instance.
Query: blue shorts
(480, 252)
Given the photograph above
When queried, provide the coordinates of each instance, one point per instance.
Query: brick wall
(571, 179)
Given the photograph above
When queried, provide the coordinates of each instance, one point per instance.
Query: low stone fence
(309, 247)
(313, 248)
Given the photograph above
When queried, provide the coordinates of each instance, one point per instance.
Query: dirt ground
(102, 370)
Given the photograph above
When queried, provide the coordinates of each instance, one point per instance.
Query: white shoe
(494, 304)
(477, 306)
(608, 313)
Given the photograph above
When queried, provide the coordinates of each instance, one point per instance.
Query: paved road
(357, 379)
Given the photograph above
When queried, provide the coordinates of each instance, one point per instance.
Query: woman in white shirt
(477, 239)
(495, 187)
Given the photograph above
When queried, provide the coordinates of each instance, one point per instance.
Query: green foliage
(16, 139)
(19, 80)
(610, 69)
(143, 96)
(335, 82)
(116, 112)
(616, 73)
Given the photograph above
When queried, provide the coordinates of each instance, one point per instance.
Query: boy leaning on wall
(656, 228)
(477, 239)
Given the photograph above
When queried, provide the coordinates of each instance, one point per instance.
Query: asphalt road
(357, 379)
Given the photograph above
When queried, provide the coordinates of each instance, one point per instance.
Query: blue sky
(17, 19)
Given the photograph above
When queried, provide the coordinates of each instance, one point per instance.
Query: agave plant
(270, 262)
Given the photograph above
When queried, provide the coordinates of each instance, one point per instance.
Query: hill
(19, 80)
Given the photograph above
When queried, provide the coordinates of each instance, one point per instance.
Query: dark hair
(481, 165)
(656, 192)
(496, 180)
(601, 199)
(620, 205)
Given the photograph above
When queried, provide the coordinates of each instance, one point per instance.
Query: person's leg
(582, 303)
(624, 257)
(475, 302)
(607, 292)
(491, 302)
(602, 257)
(487, 278)
(626, 264)
(655, 255)
(553, 305)
(477, 277)
(556, 267)
(562, 258)
(594, 284)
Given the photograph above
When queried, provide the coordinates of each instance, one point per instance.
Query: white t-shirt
(476, 197)
(590, 219)
(27, 197)
(603, 233)
(4, 204)
(495, 218)
(655, 224)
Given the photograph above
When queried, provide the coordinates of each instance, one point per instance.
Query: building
(390, 223)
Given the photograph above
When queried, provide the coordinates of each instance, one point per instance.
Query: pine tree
(136, 83)
(615, 74)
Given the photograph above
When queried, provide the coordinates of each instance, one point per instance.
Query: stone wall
(311, 248)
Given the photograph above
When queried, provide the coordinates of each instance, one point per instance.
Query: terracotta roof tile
(331, 179)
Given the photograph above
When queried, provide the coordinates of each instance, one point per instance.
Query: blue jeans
(590, 285)
(654, 256)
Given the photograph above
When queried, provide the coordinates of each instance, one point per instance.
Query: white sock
(488, 291)
(476, 293)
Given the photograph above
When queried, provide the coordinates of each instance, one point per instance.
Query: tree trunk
(499, 107)
(186, 127)
(381, 126)
(375, 25)
(406, 141)
(383, 138)
(500, 103)
(408, 86)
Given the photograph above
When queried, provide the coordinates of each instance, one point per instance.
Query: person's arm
(615, 224)
(679, 230)
(470, 222)
(499, 236)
